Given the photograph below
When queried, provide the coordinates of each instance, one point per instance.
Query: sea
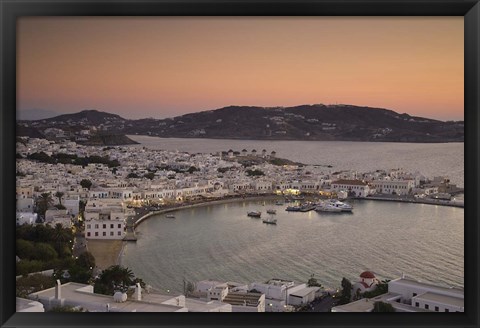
(220, 242)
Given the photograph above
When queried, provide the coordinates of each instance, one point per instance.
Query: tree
(346, 291)
(44, 252)
(65, 308)
(61, 237)
(112, 279)
(33, 283)
(59, 195)
(86, 260)
(44, 201)
(85, 183)
(149, 175)
(383, 307)
(25, 249)
(313, 282)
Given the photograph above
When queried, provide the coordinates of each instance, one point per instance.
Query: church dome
(367, 275)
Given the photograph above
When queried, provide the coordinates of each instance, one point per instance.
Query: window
(426, 306)
(119, 225)
(89, 226)
(104, 226)
(436, 309)
(119, 233)
(417, 304)
(96, 234)
(111, 225)
(96, 226)
(111, 233)
(88, 234)
(414, 294)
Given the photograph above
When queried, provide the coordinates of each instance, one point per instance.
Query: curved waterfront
(220, 242)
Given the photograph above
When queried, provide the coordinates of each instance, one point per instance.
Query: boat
(293, 209)
(170, 216)
(254, 214)
(270, 221)
(343, 206)
(271, 211)
(279, 202)
(307, 207)
(327, 207)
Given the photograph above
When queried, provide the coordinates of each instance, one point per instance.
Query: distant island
(306, 122)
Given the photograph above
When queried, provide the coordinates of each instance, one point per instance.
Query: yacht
(254, 214)
(327, 207)
(271, 211)
(343, 206)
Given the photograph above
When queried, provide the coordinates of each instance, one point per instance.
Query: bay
(220, 242)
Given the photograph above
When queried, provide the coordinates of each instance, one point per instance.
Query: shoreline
(119, 255)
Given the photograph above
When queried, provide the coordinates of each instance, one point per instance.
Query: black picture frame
(11, 10)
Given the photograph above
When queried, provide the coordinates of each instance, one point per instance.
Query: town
(102, 193)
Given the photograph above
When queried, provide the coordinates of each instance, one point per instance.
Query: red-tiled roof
(367, 274)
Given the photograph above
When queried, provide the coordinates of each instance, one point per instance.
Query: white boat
(279, 202)
(170, 216)
(343, 206)
(271, 211)
(254, 214)
(327, 207)
(270, 221)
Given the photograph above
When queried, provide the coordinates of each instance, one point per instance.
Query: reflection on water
(220, 242)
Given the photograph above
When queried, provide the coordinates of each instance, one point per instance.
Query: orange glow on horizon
(168, 66)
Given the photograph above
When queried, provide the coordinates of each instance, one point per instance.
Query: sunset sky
(167, 66)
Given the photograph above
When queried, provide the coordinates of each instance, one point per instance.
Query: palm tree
(61, 237)
(114, 278)
(44, 201)
(59, 195)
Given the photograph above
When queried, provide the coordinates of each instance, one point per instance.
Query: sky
(161, 67)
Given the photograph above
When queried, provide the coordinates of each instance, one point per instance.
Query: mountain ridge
(304, 122)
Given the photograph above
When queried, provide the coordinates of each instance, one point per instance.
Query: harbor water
(221, 242)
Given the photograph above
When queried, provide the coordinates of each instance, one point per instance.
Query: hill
(305, 122)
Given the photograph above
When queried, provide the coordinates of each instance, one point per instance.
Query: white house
(428, 296)
(408, 295)
(357, 188)
(399, 187)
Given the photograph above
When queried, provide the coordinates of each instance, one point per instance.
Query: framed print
(312, 162)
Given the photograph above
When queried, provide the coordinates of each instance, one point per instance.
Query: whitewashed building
(357, 188)
(398, 187)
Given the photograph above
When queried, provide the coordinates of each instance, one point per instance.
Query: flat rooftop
(366, 304)
(444, 299)
(304, 291)
(75, 292)
(24, 304)
(410, 282)
(194, 305)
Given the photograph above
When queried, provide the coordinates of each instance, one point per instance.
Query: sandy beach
(106, 252)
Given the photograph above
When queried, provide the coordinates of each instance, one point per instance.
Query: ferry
(270, 221)
(254, 214)
(271, 211)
